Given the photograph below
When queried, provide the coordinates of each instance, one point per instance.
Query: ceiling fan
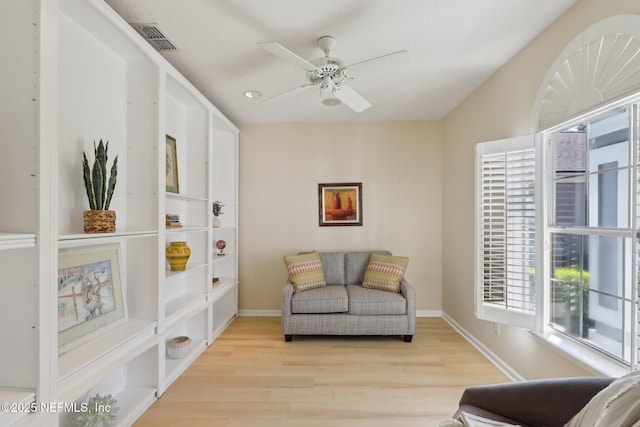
(330, 74)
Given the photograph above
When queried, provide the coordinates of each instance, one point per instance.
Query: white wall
(501, 108)
(400, 167)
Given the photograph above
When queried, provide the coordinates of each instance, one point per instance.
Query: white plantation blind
(505, 231)
(494, 227)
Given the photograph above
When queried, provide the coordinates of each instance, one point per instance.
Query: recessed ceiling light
(252, 94)
(331, 102)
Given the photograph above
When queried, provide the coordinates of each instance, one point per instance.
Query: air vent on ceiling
(154, 36)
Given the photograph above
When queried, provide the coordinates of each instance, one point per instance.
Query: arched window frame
(598, 70)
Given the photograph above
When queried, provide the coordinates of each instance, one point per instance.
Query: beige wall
(418, 189)
(501, 108)
(400, 167)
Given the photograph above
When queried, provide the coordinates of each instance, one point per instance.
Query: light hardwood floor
(250, 377)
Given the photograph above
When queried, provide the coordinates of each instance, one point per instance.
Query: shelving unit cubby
(224, 268)
(196, 328)
(131, 384)
(80, 74)
(225, 298)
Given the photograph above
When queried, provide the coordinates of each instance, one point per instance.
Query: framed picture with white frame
(91, 296)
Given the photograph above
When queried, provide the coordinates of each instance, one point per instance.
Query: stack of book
(173, 220)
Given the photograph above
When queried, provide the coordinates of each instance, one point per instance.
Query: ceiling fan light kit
(330, 74)
(331, 102)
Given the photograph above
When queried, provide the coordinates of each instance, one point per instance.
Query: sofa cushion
(333, 266)
(384, 272)
(328, 299)
(373, 302)
(355, 264)
(305, 271)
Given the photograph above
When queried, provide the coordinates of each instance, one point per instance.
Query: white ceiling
(455, 45)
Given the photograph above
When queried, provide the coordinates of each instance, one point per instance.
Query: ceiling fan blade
(351, 98)
(290, 92)
(283, 53)
(395, 60)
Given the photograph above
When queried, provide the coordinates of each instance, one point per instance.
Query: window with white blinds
(506, 230)
(574, 273)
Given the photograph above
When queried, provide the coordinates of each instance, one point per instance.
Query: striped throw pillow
(616, 405)
(384, 272)
(305, 271)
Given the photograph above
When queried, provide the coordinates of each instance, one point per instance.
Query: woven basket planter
(99, 221)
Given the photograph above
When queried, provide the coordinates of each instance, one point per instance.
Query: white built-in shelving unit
(76, 73)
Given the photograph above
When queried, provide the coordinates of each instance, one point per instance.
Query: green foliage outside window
(571, 291)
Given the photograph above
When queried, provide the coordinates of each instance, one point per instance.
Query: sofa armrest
(409, 294)
(287, 294)
(285, 305)
(548, 402)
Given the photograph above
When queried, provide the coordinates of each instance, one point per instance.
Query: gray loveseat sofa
(344, 307)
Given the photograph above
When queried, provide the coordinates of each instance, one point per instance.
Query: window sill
(589, 359)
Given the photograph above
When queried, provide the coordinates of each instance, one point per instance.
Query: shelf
(222, 286)
(190, 267)
(183, 307)
(186, 197)
(133, 401)
(17, 240)
(121, 342)
(221, 258)
(15, 395)
(131, 379)
(175, 367)
(224, 228)
(185, 229)
(105, 236)
(221, 323)
(224, 306)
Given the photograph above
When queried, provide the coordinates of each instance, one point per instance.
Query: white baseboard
(259, 313)
(428, 313)
(504, 367)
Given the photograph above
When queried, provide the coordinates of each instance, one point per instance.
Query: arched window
(599, 66)
(578, 281)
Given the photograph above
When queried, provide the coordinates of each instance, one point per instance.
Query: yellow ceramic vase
(178, 254)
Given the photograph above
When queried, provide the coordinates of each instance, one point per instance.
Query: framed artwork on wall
(340, 204)
(172, 166)
(90, 293)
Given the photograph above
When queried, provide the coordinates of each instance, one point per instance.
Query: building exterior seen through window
(591, 231)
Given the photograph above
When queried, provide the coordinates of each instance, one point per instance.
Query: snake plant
(99, 190)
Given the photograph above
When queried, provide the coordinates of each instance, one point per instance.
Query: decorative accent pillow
(305, 271)
(384, 272)
(616, 405)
